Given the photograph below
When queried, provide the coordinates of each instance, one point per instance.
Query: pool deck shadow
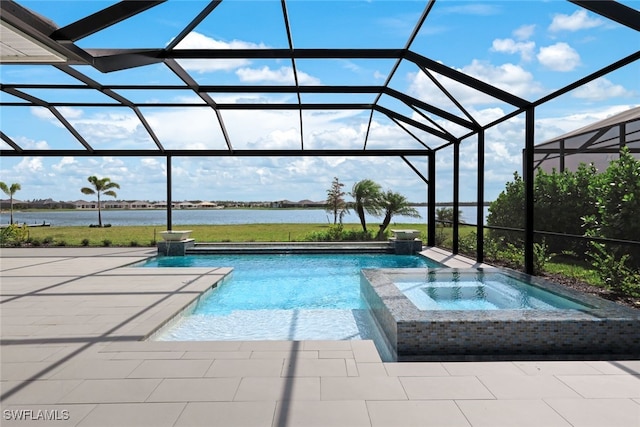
(72, 329)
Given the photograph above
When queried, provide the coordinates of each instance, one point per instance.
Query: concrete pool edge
(606, 330)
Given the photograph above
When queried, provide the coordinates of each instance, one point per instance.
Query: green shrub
(617, 199)
(85, 242)
(512, 256)
(440, 236)
(583, 202)
(35, 242)
(134, 244)
(540, 257)
(106, 243)
(13, 235)
(614, 271)
(467, 244)
(61, 243)
(337, 233)
(47, 240)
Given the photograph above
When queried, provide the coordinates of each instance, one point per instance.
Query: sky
(528, 48)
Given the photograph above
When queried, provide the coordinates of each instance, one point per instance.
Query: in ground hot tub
(480, 290)
(494, 314)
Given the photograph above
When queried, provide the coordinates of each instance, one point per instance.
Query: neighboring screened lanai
(307, 79)
(597, 143)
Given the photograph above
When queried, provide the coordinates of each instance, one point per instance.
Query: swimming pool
(282, 296)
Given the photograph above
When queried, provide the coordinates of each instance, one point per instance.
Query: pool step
(290, 248)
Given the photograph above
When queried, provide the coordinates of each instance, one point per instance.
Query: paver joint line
(183, 383)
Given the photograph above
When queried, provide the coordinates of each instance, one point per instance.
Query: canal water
(204, 216)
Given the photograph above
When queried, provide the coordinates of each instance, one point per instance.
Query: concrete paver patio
(72, 353)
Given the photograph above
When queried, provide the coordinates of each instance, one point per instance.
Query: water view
(205, 216)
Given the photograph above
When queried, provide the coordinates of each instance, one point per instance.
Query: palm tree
(445, 216)
(10, 191)
(100, 186)
(367, 196)
(395, 204)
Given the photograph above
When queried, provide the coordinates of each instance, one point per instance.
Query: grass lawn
(147, 235)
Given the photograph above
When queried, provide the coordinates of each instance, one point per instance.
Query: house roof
(627, 116)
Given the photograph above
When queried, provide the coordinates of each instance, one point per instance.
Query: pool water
(280, 296)
(479, 291)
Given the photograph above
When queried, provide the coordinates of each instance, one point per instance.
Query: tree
(508, 211)
(368, 198)
(335, 200)
(446, 214)
(10, 191)
(395, 204)
(100, 186)
(561, 201)
(617, 203)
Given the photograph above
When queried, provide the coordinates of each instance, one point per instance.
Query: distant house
(208, 205)
(83, 204)
(5, 204)
(140, 205)
(163, 205)
(186, 205)
(115, 205)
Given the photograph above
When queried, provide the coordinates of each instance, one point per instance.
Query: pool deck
(72, 321)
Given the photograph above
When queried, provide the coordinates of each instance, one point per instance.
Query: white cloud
(196, 40)
(578, 20)
(284, 75)
(30, 144)
(509, 77)
(70, 113)
(150, 162)
(30, 165)
(524, 49)
(524, 32)
(559, 57)
(63, 163)
(42, 113)
(278, 139)
(379, 76)
(601, 89)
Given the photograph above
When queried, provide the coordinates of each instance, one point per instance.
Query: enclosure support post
(480, 200)
(169, 202)
(528, 175)
(431, 200)
(456, 196)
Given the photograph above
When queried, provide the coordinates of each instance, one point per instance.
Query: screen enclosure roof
(264, 86)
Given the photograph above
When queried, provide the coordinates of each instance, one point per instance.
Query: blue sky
(529, 48)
